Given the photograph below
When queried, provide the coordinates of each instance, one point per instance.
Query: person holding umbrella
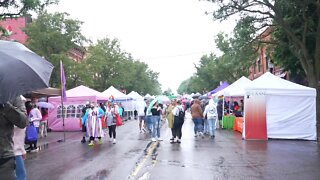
(156, 111)
(17, 66)
(10, 116)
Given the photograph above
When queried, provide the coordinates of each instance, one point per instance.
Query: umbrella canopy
(45, 105)
(21, 71)
(162, 99)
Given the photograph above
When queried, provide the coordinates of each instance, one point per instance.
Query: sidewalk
(57, 137)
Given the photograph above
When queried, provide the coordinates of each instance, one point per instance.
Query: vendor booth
(126, 101)
(234, 91)
(72, 108)
(277, 108)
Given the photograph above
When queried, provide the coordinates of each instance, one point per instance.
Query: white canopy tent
(112, 91)
(134, 95)
(235, 89)
(126, 101)
(288, 110)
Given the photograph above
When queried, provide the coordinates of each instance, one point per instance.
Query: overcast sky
(169, 35)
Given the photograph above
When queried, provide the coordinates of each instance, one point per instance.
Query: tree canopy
(54, 35)
(298, 22)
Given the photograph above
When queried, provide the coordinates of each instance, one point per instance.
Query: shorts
(142, 118)
(84, 128)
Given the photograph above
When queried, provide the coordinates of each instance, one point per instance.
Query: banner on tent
(255, 115)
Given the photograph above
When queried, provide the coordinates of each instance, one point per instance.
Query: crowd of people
(96, 118)
(100, 120)
(206, 116)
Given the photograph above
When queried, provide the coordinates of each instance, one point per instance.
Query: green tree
(283, 57)
(168, 92)
(52, 36)
(109, 66)
(298, 19)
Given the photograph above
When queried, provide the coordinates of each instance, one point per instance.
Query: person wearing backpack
(210, 112)
(179, 114)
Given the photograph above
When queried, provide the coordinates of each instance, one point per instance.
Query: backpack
(181, 114)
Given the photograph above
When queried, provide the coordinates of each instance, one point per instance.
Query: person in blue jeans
(149, 123)
(156, 112)
(211, 113)
(197, 117)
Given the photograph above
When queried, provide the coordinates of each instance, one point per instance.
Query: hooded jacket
(210, 110)
(9, 116)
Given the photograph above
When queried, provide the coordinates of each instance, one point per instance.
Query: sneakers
(160, 139)
(196, 134)
(201, 134)
(28, 149)
(171, 141)
(34, 150)
(153, 139)
(100, 141)
(110, 139)
(114, 141)
(213, 136)
(91, 143)
(178, 141)
(83, 140)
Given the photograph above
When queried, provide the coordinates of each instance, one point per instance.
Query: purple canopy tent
(219, 88)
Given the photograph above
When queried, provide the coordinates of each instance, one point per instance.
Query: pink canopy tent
(76, 100)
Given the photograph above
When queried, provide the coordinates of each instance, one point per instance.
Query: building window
(71, 111)
(259, 65)
(59, 112)
(270, 65)
(79, 110)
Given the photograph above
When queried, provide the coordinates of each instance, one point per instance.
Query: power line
(177, 55)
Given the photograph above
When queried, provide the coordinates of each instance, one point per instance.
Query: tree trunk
(313, 82)
(318, 112)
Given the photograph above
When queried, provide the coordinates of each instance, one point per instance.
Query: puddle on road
(141, 170)
(102, 174)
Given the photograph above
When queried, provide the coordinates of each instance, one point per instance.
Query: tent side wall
(72, 116)
(291, 117)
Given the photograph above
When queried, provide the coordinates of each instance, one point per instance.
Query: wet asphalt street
(135, 157)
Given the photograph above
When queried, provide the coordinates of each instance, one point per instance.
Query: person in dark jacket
(9, 116)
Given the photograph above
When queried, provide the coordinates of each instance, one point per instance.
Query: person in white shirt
(210, 112)
(178, 112)
(18, 141)
(141, 107)
(35, 117)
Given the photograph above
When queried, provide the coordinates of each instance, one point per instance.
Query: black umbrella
(21, 70)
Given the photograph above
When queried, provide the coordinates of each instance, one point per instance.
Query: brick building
(264, 62)
(14, 29)
(14, 32)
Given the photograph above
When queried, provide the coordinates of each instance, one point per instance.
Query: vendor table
(228, 122)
